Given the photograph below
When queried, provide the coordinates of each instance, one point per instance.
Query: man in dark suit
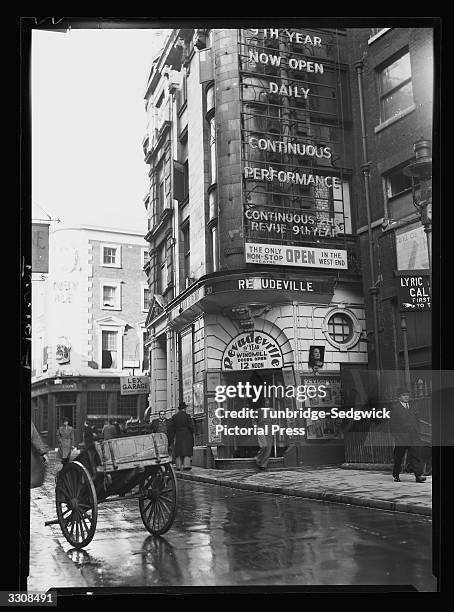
(406, 432)
(161, 424)
(182, 430)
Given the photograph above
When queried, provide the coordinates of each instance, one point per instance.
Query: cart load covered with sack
(128, 467)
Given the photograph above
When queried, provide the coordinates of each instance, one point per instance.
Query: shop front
(232, 351)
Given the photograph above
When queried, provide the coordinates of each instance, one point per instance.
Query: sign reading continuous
(252, 351)
(281, 255)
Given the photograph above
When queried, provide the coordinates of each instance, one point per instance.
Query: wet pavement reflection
(224, 536)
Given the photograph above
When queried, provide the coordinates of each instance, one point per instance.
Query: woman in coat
(181, 432)
(65, 441)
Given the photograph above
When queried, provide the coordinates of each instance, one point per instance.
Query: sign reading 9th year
(414, 292)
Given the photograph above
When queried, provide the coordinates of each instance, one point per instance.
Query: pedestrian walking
(39, 458)
(181, 433)
(264, 440)
(109, 431)
(406, 433)
(89, 437)
(65, 441)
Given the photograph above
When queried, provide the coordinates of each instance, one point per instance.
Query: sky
(88, 123)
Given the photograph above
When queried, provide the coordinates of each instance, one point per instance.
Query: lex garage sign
(131, 385)
(414, 292)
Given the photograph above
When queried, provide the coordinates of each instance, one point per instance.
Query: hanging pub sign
(414, 292)
(251, 351)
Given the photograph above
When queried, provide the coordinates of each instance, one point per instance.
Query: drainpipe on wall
(365, 169)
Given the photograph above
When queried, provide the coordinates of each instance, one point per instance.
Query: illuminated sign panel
(295, 177)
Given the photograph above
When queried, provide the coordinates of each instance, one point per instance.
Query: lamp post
(420, 172)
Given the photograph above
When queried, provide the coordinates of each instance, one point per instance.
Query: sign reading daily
(282, 255)
(252, 351)
(414, 292)
(131, 385)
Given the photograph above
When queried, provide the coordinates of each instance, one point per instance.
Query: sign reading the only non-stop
(281, 255)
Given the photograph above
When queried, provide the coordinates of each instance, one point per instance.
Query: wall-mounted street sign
(252, 350)
(131, 385)
(414, 292)
(281, 255)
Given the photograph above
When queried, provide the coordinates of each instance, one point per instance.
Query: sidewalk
(372, 489)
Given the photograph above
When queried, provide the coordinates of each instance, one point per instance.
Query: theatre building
(88, 328)
(254, 265)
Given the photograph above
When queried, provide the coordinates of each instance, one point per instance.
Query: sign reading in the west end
(252, 351)
(414, 292)
(281, 255)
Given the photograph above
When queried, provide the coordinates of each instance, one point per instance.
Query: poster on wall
(411, 248)
(212, 405)
(198, 397)
(330, 397)
(187, 373)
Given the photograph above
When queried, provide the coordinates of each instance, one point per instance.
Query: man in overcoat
(65, 440)
(181, 432)
(405, 429)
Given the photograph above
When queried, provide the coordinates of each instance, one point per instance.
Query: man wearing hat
(405, 429)
(181, 432)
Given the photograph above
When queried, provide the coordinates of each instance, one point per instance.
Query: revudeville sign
(281, 255)
(131, 385)
(252, 351)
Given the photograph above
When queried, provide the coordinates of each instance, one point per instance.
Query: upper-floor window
(110, 295)
(396, 91)
(111, 255)
(186, 250)
(146, 297)
(160, 189)
(110, 349)
(397, 182)
(161, 269)
(145, 257)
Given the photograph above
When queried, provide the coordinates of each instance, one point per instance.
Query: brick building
(254, 186)
(396, 72)
(88, 328)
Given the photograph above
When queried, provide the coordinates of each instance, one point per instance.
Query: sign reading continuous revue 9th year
(131, 385)
(414, 292)
(281, 255)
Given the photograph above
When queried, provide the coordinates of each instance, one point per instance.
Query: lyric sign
(281, 255)
(251, 351)
(414, 293)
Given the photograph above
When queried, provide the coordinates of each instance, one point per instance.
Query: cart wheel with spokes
(76, 503)
(158, 499)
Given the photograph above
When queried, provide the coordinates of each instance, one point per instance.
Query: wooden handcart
(122, 468)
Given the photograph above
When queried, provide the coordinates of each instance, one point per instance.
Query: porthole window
(341, 329)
